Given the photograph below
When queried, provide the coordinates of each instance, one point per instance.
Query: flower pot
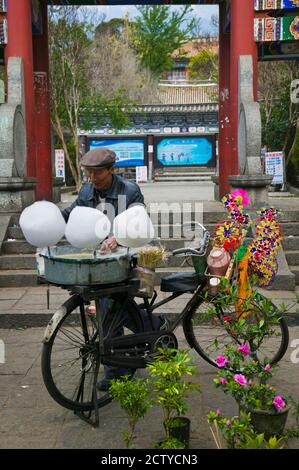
(179, 428)
(268, 422)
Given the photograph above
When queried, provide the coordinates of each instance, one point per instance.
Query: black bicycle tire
(190, 337)
(71, 304)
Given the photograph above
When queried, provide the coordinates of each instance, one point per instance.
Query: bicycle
(75, 348)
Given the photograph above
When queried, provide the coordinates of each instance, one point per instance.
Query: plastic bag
(42, 224)
(133, 228)
(87, 227)
(147, 279)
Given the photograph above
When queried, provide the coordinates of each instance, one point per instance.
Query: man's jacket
(122, 194)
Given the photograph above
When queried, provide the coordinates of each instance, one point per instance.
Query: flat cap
(98, 157)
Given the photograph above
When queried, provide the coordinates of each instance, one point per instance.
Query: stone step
(291, 242)
(20, 261)
(18, 278)
(178, 231)
(292, 257)
(186, 178)
(15, 232)
(17, 247)
(208, 216)
(169, 174)
(290, 228)
(179, 170)
(295, 271)
(22, 247)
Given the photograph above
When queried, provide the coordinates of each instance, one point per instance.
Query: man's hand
(108, 244)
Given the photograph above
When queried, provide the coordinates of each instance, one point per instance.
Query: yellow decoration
(244, 289)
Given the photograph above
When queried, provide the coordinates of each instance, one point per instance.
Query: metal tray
(67, 265)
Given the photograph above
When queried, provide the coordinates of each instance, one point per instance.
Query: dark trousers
(126, 321)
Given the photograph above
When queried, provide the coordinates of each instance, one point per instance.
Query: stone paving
(27, 306)
(30, 419)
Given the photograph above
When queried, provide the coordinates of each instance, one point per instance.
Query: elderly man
(111, 194)
(105, 190)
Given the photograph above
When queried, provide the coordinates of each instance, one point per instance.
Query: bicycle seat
(181, 282)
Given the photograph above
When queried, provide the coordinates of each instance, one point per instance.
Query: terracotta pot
(218, 261)
(268, 422)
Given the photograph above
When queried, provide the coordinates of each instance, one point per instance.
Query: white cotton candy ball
(102, 227)
(42, 224)
(81, 229)
(133, 228)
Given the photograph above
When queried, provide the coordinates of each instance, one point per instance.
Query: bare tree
(72, 95)
(281, 116)
(114, 66)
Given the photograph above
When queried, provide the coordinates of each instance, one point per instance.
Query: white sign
(150, 149)
(141, 174)
(274, 165)
(59, 163)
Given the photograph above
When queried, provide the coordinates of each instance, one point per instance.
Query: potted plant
(238, 433)
(246, 380)
(133, 398)
(171, 389)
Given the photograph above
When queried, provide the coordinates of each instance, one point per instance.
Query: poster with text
(184, 151)
(129, 152)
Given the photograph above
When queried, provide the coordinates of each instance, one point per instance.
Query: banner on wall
(275, 165)
(59, 163)
(129, 152)
(184, 151)
(275, 4)
(276, 29)
(141, 174)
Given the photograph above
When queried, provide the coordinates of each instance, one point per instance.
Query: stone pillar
(242, 43)
(42, 110)
(16, 190)
(224, 148)
(19, 25)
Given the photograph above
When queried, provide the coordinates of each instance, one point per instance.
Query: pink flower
(249, 382)
(243, 194)
(223, 381)
(221, 361)
(240, 379)
(244, 349)
(228, 423)
(218, 411)
(267, 367)
(278, 402)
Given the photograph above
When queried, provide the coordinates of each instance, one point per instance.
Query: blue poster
(184, 151)
(129, 152)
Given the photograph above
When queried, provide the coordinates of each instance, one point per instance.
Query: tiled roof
(188, 94)
(191, 48)
(174, 108)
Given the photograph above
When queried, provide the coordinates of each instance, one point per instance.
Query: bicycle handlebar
(193, 251)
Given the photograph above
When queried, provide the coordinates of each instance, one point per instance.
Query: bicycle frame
(194, 302)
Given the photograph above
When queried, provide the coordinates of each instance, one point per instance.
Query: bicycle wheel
(71, 362)
(209, 329)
